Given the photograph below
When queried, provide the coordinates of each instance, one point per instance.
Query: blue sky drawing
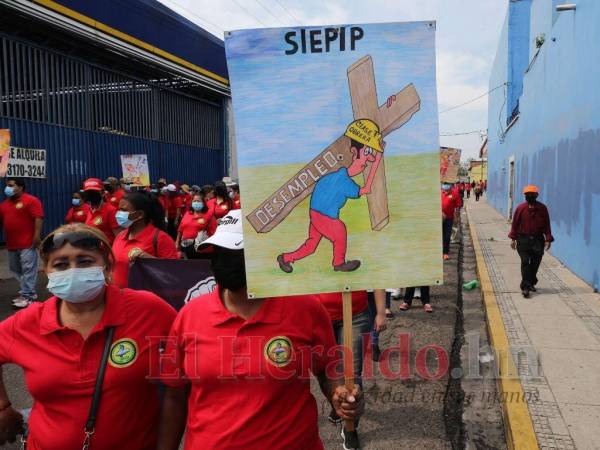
(288, 108)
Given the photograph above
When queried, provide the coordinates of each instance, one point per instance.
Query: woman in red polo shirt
(60, 343)
(221, 204)
(197, 219)
(79, 211)
(143, 218)
(249, 364)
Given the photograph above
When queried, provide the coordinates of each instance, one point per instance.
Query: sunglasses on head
(79, 239)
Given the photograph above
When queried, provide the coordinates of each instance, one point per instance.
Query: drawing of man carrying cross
(332, 191)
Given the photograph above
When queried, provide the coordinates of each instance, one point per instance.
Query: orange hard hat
(531, 189)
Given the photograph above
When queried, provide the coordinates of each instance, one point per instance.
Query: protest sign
(26, 163)
(4, 151)
(449, 164)
(337, 137)
(135, 169)
(175, 280)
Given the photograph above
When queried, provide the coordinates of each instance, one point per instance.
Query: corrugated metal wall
(86, 116)
(73, 155)
(44, 86)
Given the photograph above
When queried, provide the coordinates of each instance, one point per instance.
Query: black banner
(176, 280)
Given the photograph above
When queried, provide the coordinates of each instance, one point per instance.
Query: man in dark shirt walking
(531, 235)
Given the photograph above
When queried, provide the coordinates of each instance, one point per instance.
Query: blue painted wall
(556, 140)
(518, 50)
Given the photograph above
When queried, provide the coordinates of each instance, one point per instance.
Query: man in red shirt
(101, 214)
(449, 205)
(22, 217)
(114, 192)
(531, 234)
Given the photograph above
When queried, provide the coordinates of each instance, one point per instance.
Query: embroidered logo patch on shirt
(19, 205)
(98, 221)
(123, 353)
(278, 351)
(134, 253)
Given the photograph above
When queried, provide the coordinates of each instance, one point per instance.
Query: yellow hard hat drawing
(366, 132)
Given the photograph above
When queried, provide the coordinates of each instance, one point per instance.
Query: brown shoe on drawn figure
(285, 266)
(348, 266)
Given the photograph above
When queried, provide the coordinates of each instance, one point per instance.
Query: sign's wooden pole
(348, 352)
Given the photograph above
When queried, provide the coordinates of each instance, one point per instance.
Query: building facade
(91, 81)
(478, 171)
(544, 123)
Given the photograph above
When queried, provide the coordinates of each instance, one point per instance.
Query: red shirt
(60, 371)
(456, 196)
(449, 204)
(144, 241)
(250, 379)
(164, 201)
(115, 197)
(104, 219)
(77, 214)
(237, 203)
(175, 203)
(187, 200)
(219, 210)
(193, 223)
(334, 305)
(468, 186)
(18, 218)
(531, 222)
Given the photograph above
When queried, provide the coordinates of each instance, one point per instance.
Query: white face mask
(77, 285)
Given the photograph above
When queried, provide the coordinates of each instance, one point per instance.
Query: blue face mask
(77, 285)
(123, 219)
(9, 191)
(127, 187)
(197, 206)
(154, 191)
(76, 202)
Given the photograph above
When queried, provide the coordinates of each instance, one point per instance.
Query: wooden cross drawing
(389, 117)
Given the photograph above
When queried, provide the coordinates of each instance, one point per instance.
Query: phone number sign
(26, 163)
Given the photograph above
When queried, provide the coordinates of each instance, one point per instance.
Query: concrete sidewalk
(561, 322)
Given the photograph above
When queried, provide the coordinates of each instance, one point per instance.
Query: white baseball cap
(171, 188)
(229, 181)
(229, 232)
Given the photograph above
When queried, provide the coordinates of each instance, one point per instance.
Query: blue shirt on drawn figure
(332, 191)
